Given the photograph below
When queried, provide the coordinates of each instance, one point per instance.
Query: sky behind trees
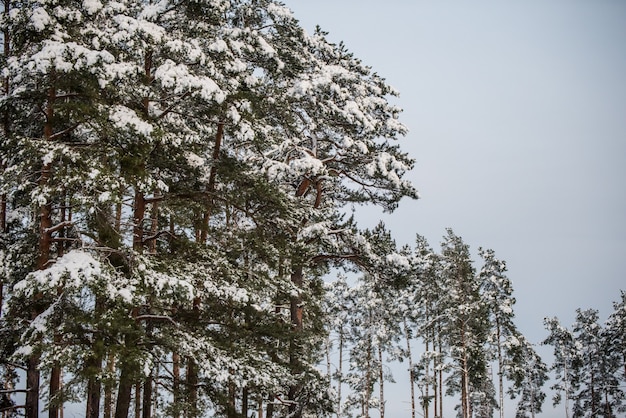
(516, 119)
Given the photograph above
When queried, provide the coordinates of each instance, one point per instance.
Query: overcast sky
(517, 118)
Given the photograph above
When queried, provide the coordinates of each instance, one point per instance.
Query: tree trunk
(108, 388)
(44, 246)
(32, 384)
(464, 378)
(176, 383)
(411, 374)
(93, 390)
(125, 387)
(211, 184)
(440, 372)
(244, 402)
(138, 216)
(500, 370)
(192, 384)
(340, 372)
(5, 124)
(55, 387)
(137, 400)
(147, 396)
(381, 385)
(295, 361)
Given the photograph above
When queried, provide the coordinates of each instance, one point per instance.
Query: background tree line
(453, 326)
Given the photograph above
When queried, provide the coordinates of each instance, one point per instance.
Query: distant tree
(567, 362)
(466, 328)
(527, 373)
(615, 340)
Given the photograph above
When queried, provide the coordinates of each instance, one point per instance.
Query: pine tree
(614, 336)
(466, 327)
(567, 362)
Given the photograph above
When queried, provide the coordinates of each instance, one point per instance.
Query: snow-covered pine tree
(567, 362)
(466, 327)
(614, 335)
(426, 299)
(527, 374)
(599, 390)
(177, 167)
(516, 359)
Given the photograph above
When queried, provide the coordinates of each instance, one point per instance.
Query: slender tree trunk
(269, 412)
(244, 402)
(211, 184)
(44, 246)
(192, 384)
(365, 407)
(340, 372)
(55, 388)
(125, 387)
(6, 126)
(128, 370)
(500, 370)
(464, 378)
(108, 388)
(147, 396)
(32, 383)
(381, 385)
(440, 372)
(94, 387)
(137, 400)
(297, 278)
(566, 378)
(176, 383)
(231, 411)
(260, 407)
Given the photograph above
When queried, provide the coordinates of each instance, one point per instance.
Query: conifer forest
(177, 239)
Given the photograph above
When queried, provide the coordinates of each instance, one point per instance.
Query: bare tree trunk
(192, 384)
(44, 246)
(244, 402)
(137, 400)
(269, 412)
(176, 383)
(381, 385)
(365, 405)
(260, 408)
(147, 396)
(128, 370)
(125, 387)
(340, 372)
(6, 126)
(465, 404)
(297, 278)
(32, 384)
(94, 387)
(211, 184)
(500, 370)
(108, 388)
(411, 373)
(55, 388)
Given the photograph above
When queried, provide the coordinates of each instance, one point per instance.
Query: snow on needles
(74, 269)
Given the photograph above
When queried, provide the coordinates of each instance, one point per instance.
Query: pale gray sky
(517, 118)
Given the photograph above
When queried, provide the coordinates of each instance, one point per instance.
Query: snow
(72, 270)
(180, 79)
(40, 19)
(92, 6)
(125, 118)
(279, 11)
(194, 160)
(218, 46)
